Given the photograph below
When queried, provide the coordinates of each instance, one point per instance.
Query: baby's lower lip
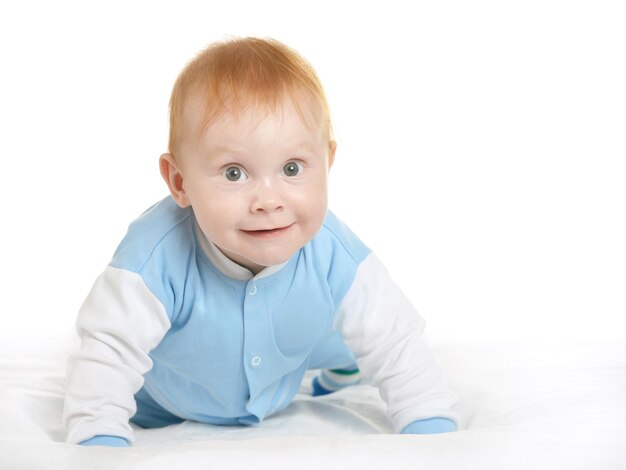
(264, 234)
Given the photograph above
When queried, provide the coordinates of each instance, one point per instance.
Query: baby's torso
(237, 349)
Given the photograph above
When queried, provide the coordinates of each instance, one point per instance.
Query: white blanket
(524, 406)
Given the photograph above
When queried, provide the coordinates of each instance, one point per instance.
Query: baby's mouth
(267, 233)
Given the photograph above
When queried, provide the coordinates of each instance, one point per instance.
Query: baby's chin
(267, 261)
(258, 261)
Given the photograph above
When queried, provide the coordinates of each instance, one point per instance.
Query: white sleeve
(384, 331)
(119, 323)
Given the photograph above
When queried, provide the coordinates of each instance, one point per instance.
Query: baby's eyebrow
(234, 151)
(226, 151)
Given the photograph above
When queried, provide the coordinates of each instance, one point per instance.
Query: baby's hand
(430, 426)
(108, 441)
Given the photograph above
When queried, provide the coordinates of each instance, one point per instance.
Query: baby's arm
(383, 330)
(120, 322)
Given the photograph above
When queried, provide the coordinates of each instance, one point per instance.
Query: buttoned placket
(259, 352)
(252, 311)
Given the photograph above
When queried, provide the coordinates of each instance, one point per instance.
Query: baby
(222, 295)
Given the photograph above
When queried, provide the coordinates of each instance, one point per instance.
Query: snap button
(256, 360)
(253, 290)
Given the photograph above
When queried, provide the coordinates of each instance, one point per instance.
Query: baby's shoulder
(163, 231)
(337, 254)
(337, 241)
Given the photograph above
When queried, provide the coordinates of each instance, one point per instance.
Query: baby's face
(258, 184)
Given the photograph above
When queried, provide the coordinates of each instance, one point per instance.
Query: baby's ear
(332, 147)
(173, 177)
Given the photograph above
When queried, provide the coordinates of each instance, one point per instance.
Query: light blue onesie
(236, 350)
(167, 335)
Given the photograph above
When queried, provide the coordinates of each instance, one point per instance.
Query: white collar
(228, 266)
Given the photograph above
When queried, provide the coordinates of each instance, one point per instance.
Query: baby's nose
(267, 198)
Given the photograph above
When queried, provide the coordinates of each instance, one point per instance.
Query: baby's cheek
(312, 226)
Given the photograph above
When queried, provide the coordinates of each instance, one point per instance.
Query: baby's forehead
(200, 113)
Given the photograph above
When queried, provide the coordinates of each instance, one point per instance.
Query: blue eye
(235, 173)
(292, 169)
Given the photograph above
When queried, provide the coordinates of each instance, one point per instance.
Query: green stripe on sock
(344, 372)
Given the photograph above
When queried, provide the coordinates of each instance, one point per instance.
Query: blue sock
(331, 380)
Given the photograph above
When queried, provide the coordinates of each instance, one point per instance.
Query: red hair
(245, 73)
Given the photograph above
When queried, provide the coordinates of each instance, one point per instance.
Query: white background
(482, 149)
